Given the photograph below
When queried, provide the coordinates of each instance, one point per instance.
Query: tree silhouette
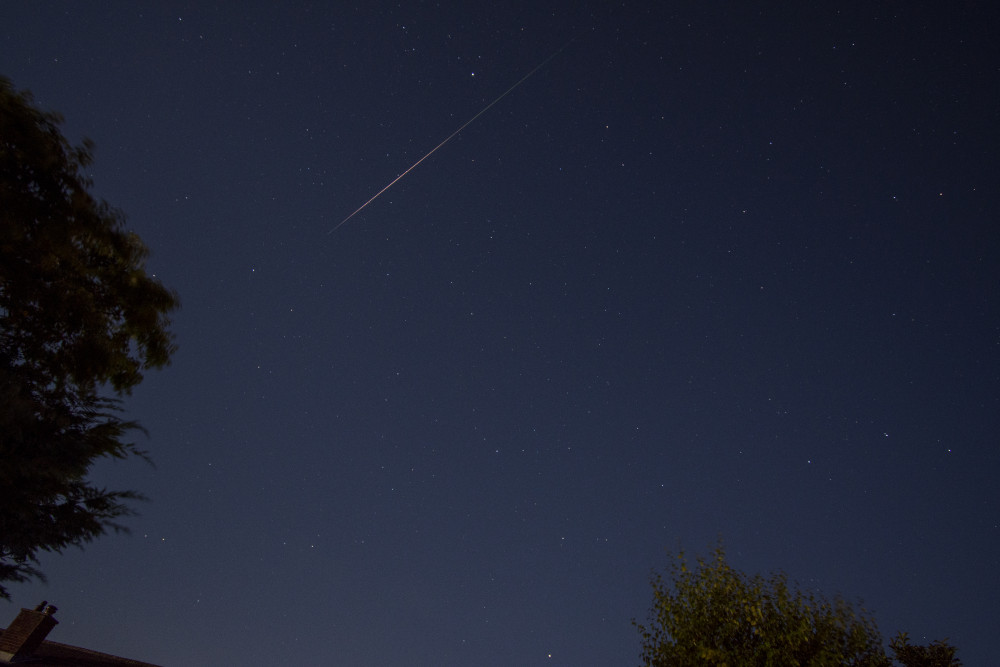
(714, 615)
(80, 320)
(936, 654)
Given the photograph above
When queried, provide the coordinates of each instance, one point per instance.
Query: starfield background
(716, 269)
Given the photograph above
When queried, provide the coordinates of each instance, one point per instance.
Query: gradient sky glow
(717, 269)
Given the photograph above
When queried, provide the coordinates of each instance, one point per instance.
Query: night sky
(716, 269)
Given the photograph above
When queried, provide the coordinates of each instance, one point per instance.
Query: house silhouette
(24, 642)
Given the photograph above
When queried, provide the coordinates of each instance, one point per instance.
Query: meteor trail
(450, 137)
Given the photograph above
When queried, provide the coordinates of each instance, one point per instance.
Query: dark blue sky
(717, 269)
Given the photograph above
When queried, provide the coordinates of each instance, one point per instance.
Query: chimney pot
(26, 633)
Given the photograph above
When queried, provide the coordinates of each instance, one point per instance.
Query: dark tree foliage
(936, 654)
(714, 615)
(80, 320)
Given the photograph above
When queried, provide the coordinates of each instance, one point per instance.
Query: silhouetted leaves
(713, 615)
(936, 654)
(79, 316)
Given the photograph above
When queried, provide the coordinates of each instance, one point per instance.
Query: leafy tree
(80, 320)
(937, 654)
(714, 615)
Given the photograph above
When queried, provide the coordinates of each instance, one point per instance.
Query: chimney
(27, 632)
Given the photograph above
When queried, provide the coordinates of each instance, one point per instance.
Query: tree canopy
(80, 321)
(714, 615)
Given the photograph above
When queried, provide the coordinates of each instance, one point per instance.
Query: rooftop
(54, 654)
(24, 642)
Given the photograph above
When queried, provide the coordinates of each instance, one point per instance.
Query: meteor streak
(450, 137)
